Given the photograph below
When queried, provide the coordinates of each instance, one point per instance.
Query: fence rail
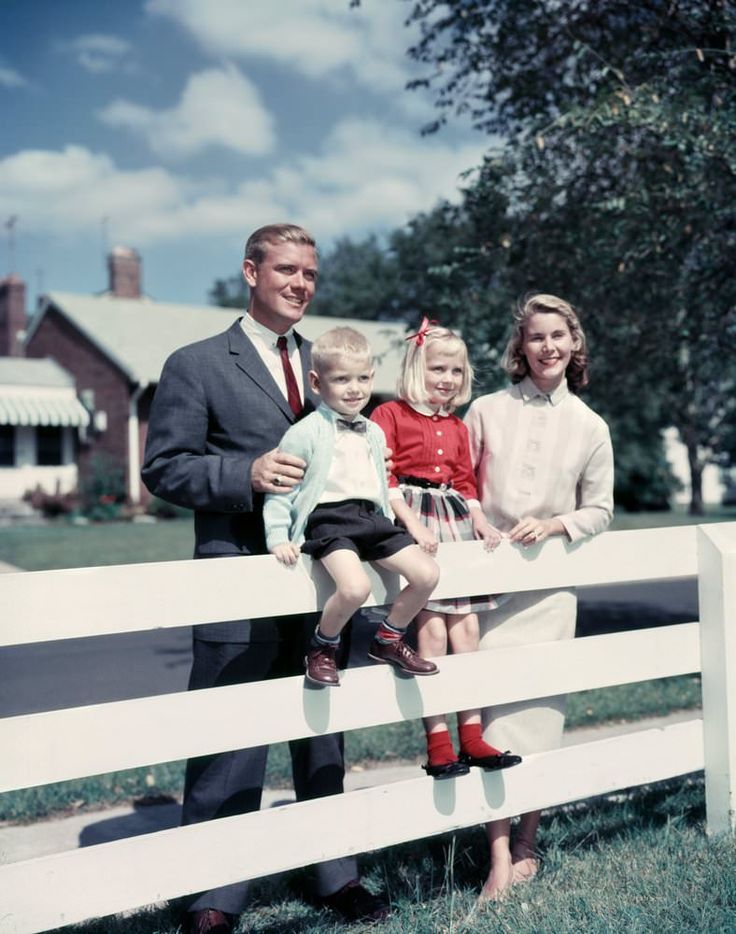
(52, 891)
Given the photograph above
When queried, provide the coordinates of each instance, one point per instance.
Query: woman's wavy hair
(514, 361)
(410, 385)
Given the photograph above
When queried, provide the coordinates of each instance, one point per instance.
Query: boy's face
(345, 385)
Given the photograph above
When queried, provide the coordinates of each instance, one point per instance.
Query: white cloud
(368, 177)
(10, 78)
(99, 53)
(218, 107)
(314, 37)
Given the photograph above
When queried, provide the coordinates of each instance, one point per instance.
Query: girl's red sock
(439, 748)
(472, 742)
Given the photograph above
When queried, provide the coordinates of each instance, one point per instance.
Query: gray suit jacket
(217, 409)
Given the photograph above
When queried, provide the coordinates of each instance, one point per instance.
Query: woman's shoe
(504, 760)
(447, 769)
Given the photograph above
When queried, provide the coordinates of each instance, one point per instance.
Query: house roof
(38, 392)
(137, 335)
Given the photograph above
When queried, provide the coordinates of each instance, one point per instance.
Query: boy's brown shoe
(401, 655)
(320, 664)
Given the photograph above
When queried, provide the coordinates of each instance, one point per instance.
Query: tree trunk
(696, 480)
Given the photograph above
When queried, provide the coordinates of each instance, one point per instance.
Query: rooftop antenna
(10, 227)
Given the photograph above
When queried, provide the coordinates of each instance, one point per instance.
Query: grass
(635, 862)
(63, 545)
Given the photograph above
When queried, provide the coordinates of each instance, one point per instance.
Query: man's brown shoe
(356, 903)
(320, 664)
(209, 921)
(403, 656)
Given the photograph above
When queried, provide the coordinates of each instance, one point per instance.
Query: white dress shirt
(264, 341)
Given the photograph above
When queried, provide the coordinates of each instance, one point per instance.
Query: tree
(619, 172)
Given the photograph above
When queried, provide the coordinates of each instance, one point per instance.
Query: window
(7, 446)
(49, 447)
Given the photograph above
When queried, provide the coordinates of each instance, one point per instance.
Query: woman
(544, 465)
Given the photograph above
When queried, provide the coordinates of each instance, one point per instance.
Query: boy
(340, 515)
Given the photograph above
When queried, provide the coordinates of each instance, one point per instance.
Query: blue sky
(178, 126)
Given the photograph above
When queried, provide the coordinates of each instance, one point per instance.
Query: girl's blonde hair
(411, 382)
(514, 361)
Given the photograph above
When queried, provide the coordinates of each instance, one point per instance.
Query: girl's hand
(425, 539)
(487, 533)
(531, 531)
(287, 554)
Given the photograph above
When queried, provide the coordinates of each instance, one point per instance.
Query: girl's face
(443, 374)
(547, 346)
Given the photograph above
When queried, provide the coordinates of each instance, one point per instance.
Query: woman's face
(547, 346)
(443, 374)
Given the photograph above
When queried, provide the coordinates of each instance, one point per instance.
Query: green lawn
(62, 545)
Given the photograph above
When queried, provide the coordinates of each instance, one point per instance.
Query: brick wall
(57, 338)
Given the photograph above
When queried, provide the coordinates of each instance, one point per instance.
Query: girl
(432, 491)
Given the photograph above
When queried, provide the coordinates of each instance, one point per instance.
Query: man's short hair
(336, 343)
(255, 248)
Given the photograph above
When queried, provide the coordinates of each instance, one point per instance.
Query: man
(218, 415)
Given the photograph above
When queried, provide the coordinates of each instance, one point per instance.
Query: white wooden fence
(37, 749)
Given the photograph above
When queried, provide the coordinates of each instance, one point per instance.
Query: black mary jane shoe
(448, 770)
(491, 763)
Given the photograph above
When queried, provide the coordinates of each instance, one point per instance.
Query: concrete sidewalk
(26, 841)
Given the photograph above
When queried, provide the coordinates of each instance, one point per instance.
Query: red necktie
(292, 390)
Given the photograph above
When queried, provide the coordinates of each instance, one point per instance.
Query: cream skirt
(534, 725)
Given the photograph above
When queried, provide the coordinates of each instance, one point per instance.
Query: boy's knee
(355, 591)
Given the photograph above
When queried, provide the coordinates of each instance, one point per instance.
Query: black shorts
(354, 525)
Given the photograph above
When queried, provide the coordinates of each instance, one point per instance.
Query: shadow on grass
(433, 879)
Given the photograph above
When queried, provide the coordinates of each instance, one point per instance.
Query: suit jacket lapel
(249, 361)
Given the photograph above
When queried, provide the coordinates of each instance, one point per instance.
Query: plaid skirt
(446, 514)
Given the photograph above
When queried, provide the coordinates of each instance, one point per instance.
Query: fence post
(717, 597)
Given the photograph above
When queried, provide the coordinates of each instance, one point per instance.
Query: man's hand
(276, 472)
(388, 462)
(287, 554)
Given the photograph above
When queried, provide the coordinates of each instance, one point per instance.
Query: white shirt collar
(424, 409)
(529, 390)
(254, 328)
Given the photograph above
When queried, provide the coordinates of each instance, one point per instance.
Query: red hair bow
(424, 328)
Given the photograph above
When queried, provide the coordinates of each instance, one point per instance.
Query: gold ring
(277, 480)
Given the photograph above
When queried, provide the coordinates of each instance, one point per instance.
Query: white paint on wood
(717, 597)
(64, 744)
(47, 892)
(46, 605)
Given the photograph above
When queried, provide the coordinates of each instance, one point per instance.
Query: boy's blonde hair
(258, 241)
(411, 383)
(336, 343)
(514, 361)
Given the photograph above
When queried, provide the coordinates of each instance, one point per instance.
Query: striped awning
(53, 409)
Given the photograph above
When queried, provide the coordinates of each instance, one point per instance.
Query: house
(40, 414)
(115, 345)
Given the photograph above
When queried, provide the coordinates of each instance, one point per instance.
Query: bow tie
(344, 425)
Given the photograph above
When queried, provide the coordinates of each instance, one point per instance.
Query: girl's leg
(432, 643)
(524, 859)
(463, 634)
(500, 874)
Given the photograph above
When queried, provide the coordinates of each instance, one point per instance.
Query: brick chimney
(124, 267)
(13, 319)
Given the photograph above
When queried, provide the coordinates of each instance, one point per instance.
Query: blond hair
(514, 361)
(258, 241)
(411, 384)
(337, 343)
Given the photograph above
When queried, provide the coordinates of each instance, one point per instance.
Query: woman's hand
(531, 531)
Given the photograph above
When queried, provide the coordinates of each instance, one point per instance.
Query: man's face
(282, 286)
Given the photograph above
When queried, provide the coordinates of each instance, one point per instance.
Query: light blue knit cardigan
(313, 439)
